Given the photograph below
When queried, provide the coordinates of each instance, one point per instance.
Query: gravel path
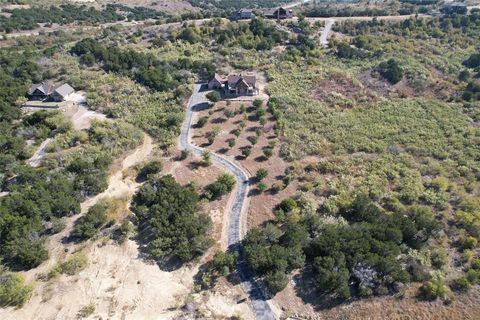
(259, 303)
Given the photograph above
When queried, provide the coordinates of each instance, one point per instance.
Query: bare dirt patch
(337, 90)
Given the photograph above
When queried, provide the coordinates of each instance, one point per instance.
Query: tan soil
(464, 308)
(117, 280)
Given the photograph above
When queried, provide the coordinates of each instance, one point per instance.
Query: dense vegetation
(26, 19)
(144, 68)
(258, 34)
(358, 256)
(169, 218)
(13, 290)
(235, 4)
(397, 165)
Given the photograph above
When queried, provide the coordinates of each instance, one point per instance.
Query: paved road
(259, 303)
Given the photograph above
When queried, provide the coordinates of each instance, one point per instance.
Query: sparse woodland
(379, 135)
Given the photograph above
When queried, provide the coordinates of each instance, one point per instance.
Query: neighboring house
(235, 85)
(242, 14)
(61, 93)
(279, 13)
(454, 7)
(40, 91)
(46, 91)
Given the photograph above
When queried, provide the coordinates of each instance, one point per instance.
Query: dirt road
(326, 32)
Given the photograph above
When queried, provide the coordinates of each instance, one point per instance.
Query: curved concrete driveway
(258, 300)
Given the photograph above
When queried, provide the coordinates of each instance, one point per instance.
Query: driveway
(259, 303)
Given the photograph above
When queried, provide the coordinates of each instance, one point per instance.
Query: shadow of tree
(306, 289)
(143, 238)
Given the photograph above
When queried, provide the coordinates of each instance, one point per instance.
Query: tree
(261, 174)
(231, 142)
(88, 225)
(331, 275)
(207, 157)
(168, 216)
(223, 185)
(258, 103)
(202, 121)
(150, 168)
(262, 186)
(246, 151)
(276, 281)
(267, 152)
(391, 71)
(252, 139)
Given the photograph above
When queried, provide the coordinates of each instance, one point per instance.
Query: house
(61, 93)
(235, 85)
(454, 7)
(46, 91)
(242, 14)
(216, 82)
(40, 91)
(241, 85)
(279, 13)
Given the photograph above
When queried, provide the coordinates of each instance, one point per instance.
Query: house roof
(273, 11)
(235, 79)
(454, 4)
(245, 10)
(218, 78)
(64, 90)
(45, 87)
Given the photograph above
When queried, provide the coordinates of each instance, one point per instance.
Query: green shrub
(87, 226)
(13, 290)
(222, 186)
(288, 204)
(435, 288)
(391, 71)
(214, 96)
(202, 121)
(176, 228)
(252, 139)
(86, 311)
(246, 151)
(74, 264)
(153, 167)
(262, 186)
(276, 281)
(261, 174)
